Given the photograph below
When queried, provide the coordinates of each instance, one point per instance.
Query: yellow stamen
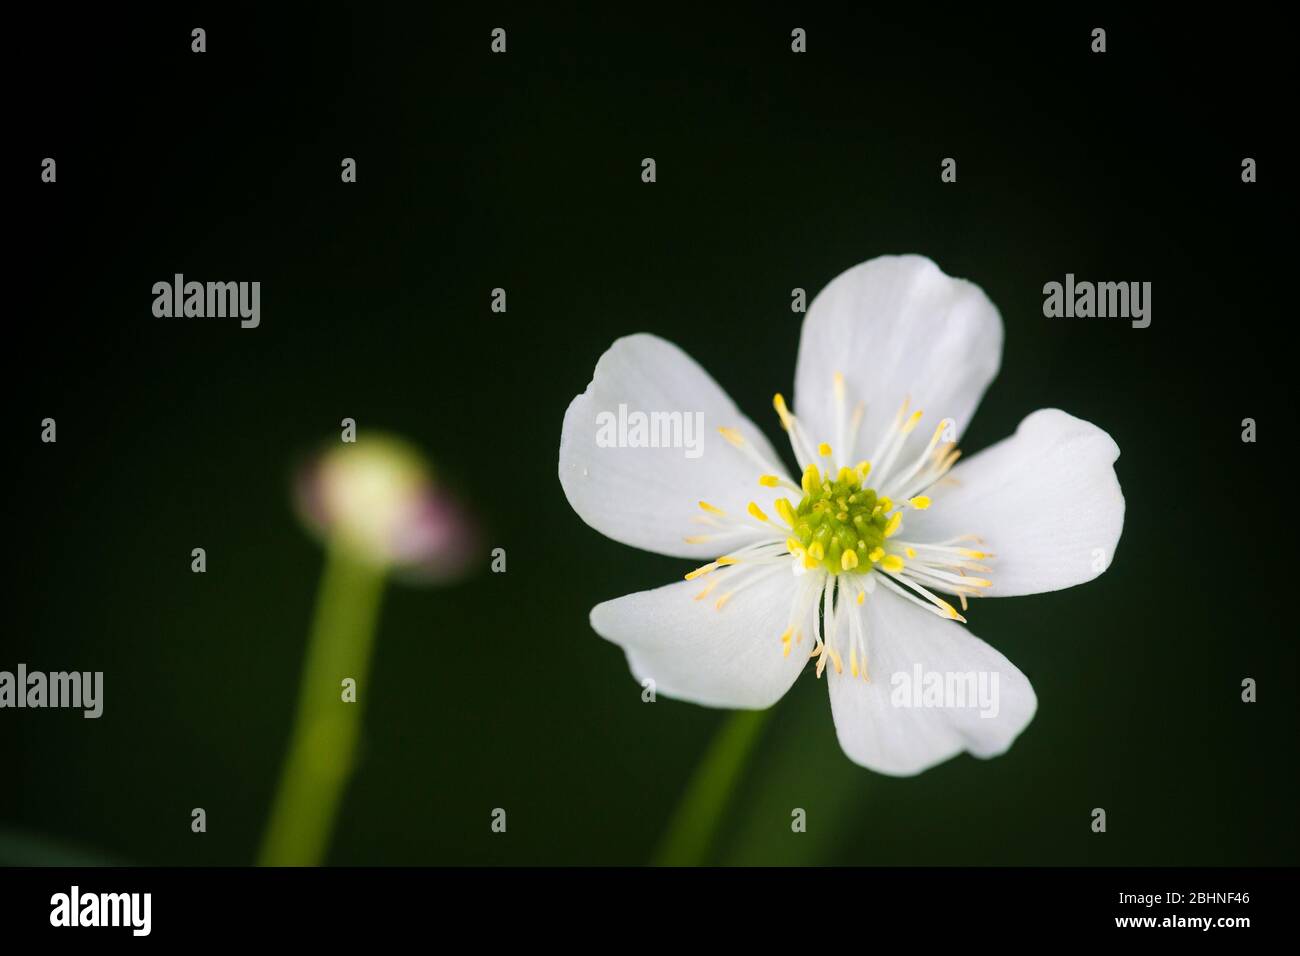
(824, 450)
(757, 512)
(769, 481)
(711, 509)
(708, 589)
(862, 596)
(697, 538)
(723, 600)
(705, 569)
(864, 468)
(785, 510)
(912, 422)
(892, 563)
(733, 436)
(849, 560)
(811, 479)
(816, 551)
(839, 386)
(876, 554)
(911, 552)
(920, 502)
(726, 560)
(778, 402)
(894, 524)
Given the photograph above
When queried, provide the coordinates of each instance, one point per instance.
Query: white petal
(695, 652)
(1045, 501)
(897, 328)
(649, 497)
(878, 731)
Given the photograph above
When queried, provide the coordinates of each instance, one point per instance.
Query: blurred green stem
(694, 823)
(324, 738)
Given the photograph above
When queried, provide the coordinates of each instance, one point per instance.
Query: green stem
(694, 823)
(324, 738)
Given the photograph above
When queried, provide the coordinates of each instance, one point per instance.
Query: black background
(522, 171)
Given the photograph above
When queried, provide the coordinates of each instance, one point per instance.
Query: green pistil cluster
(839, 523)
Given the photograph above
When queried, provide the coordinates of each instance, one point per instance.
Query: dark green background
(522, 171)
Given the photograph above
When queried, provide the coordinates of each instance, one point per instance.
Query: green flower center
(840, 523)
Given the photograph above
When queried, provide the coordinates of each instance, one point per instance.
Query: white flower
(877, 529)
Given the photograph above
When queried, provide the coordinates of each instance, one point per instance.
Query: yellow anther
(835, 657)
(977, 555)
(733, 436)
(824, 450)
(757, 512)
(811, 479)
(853, 661)
(838, 381)
(920, 502)
(862, 596)
(785, 510)
(846, 475)
(894, 524)
(849, 560)
(769, 481)
(809, 561)
(912, 422)
(886, 505)
(785, 644)
(711, 509)
(876, 554)
(705, 569)
(778, 402)
(794, 545)
(892, 563)
(911, 552)
(864, 468)
(951, 612)
(816, 551)
(726, 560)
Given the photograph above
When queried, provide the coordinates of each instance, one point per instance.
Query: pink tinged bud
(378, 500)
